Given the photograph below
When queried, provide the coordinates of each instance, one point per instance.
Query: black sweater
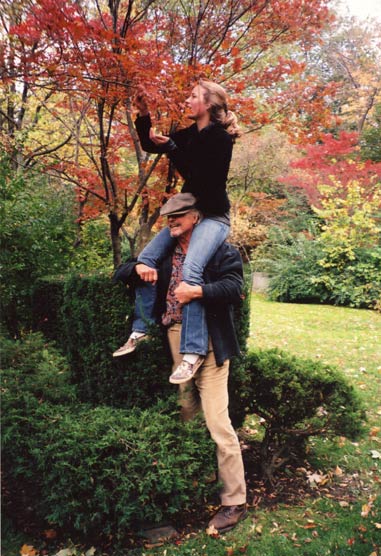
(201, 157)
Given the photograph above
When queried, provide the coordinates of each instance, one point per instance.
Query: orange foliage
(96, 61)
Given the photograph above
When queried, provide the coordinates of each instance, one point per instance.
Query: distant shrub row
(302, 272)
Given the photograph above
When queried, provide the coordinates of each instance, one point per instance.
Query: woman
(201, 153)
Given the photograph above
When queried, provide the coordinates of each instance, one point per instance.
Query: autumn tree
(92, 57)
(260, 200)
(350, 56)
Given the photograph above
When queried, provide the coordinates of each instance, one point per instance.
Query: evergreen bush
(46, 302)
(92, 316)
(93, 470)
(297, 398)
(105, 470)
(303, 269)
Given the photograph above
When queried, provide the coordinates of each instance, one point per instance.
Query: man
(208, 389)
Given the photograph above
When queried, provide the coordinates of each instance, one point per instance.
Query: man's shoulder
(226, 251)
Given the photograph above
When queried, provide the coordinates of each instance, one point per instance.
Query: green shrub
(104, 470)
(303, 270)
(37, 233)
(33, 374)
(33, 371)
(293, 265)
(298, 398)
(354, 282)
(47, 297)
(86, 316)
(94, 314)
(94, 470)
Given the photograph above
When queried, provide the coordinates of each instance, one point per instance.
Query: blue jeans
(206, 238)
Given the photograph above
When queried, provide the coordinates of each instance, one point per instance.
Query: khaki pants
(208, 391)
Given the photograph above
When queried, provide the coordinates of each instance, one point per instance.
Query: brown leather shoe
(227, 517)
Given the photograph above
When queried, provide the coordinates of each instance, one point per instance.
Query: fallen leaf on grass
(316, 479)
(375, 454)
(343, 503)
(258, 529)
(365, 509)
(212, 531)
(377, 525)
(374, 431)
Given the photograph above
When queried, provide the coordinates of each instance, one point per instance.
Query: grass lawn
(342, 515)
(323, 524)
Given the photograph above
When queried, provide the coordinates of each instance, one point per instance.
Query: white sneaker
(129, 346)
(185, 371)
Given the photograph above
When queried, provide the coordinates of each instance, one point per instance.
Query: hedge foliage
(93, 317)
(298, 398)
(94, 469)
(94, 444)
(302, 269)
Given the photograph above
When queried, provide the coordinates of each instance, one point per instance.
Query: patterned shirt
(174, 312)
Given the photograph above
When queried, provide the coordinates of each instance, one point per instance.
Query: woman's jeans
(207, 237)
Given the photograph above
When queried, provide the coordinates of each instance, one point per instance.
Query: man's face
(182, 225)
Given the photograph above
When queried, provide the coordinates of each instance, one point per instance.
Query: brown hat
(178, 204)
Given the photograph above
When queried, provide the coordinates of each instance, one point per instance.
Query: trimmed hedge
(298, 398)
(103, 470)
(94, 470)
(93, 317)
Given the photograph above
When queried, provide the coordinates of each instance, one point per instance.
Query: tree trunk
(115, 239)
(143, 237)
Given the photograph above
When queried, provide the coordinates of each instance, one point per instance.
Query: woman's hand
(157, 138)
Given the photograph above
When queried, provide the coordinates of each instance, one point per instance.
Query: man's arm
(132, 272)
(225, 286)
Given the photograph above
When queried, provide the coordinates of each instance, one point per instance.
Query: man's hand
(146, 273)
(185, 293)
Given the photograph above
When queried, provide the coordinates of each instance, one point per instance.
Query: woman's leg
(157, 248)
(206, 238)
(145, 296)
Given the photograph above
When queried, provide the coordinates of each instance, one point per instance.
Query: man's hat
(178, 204)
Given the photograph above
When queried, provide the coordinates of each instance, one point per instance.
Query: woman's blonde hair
(217, 97)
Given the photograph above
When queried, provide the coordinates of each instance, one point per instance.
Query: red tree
(333, 161)
(95, 59)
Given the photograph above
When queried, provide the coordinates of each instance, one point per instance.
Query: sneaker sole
(116, 354)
